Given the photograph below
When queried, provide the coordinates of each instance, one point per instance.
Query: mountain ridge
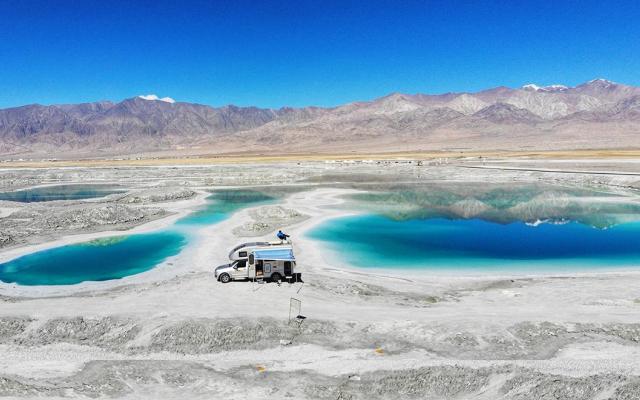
(598, 113)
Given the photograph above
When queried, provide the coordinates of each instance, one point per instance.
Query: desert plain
(380, 333)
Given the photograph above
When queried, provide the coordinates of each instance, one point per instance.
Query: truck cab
(240, 269)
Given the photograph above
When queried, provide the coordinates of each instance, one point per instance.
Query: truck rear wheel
(225, 278)
(276, 277)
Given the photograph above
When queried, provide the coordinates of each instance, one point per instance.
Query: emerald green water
(98, 260)
(222, 203)
(438, 243)
(120, 256)
(484, 227)
(60, 192)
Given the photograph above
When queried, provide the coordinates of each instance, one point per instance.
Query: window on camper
(242, 254)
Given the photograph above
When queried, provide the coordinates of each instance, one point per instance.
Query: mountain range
(598, 114)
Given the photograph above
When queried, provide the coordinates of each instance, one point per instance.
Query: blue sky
(297, 53)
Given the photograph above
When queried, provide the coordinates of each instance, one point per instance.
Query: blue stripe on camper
(275, 254)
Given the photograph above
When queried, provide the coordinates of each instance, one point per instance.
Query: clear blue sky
(296, 53)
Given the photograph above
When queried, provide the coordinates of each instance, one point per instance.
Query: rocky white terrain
(174, 332)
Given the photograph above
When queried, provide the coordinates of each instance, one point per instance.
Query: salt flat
(174, 331)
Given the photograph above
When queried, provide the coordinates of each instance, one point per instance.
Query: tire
(225, 278)
(276, 277)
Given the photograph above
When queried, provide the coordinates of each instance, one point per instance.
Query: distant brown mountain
(596, 114)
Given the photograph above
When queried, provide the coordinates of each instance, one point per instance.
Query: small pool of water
(441, 243)
(60, 192)
(222, 203)
(98, 260)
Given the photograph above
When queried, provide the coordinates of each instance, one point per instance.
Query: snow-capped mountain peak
(554, 88)
(153, 97)
(601, 82)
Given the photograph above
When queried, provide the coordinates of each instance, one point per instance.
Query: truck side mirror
(235, 266)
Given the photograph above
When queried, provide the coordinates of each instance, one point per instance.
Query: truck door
(287, 268)
(259, 269)
(241, 270)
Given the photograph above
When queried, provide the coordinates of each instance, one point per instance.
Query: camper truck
(258, 261)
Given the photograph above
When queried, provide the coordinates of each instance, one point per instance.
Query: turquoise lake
(98, 260)
(60, 192)
(120, 256)
(441, 243)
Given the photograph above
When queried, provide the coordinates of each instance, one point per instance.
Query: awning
(275, 254)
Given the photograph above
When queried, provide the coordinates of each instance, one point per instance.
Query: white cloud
(155, 97)
(531, 86)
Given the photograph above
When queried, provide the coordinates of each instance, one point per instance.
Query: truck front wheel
(225, 278)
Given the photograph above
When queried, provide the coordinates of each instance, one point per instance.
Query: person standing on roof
(282, 236)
